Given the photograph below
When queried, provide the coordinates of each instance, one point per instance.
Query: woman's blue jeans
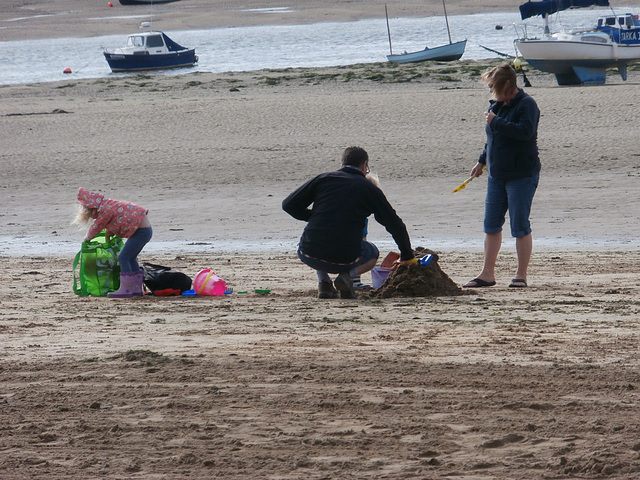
(127, 258)
(514, 196)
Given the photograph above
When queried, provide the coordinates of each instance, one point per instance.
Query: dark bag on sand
(164, 281)
(95, 269)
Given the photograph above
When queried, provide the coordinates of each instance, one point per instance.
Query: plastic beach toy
(206, 282)
(378, 276)
(426, 260)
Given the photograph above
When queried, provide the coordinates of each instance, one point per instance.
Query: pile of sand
(418, 281)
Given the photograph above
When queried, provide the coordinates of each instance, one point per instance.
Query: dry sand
(498, 384)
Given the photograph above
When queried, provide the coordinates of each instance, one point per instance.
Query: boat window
(135, 41)
(599, 22)
(155, 41)
(611, 20)
(593, 39)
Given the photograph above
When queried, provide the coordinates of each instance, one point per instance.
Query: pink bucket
(206, 282)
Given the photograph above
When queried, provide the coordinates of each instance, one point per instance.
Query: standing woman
(511, 158)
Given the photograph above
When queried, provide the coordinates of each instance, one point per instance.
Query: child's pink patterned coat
(121, 219)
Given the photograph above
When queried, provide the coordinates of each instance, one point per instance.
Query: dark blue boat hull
(145, 2)
(138, 62)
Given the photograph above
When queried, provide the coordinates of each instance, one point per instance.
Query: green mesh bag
(95, 269)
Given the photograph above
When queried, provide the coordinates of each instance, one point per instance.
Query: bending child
(120, 219)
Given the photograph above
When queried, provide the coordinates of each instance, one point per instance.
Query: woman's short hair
(354, 156)
(501, 79)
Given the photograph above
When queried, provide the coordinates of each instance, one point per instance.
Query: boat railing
(518, 28)
(522, 31)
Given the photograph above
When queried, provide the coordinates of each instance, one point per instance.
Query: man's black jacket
(342, 200)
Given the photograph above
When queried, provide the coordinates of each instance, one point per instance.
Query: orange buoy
(66, 70)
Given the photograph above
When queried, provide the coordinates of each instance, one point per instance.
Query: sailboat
(443, 53)
(581, 57)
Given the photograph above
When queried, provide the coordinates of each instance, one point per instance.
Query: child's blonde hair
(83, 214)
(373, 178)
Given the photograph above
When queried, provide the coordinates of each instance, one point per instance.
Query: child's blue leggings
(132, 247)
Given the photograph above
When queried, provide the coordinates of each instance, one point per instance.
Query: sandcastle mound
(417, 281)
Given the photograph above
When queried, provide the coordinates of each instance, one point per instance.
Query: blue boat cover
(171, 45)
(546, 7)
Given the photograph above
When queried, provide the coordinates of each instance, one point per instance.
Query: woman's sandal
(478, 283)
(518, 283)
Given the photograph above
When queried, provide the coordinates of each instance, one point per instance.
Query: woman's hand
(489, 116)
(477, 170)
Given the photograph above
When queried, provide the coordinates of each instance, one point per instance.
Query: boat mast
(388, 29)
(446, 20)
(546, 24)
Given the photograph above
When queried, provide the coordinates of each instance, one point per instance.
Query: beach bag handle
(82, 288)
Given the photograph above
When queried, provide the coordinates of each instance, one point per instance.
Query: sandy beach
(500, 383)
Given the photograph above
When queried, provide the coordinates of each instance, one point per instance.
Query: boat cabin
(139, 41)
(147, 43)
(622, 28)
(622, 21)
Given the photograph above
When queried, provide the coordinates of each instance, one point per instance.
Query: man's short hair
(354, 156)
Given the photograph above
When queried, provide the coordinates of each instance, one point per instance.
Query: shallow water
(36, 245)
(255, 48)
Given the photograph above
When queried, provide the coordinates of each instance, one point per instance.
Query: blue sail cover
(171, 45)
(546, 7)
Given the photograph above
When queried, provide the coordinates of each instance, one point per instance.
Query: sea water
(37, 245)
(283, 46)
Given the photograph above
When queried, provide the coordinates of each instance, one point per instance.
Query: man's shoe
(345, 287)
(326, 290)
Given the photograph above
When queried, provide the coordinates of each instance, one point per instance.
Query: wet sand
(499, 384)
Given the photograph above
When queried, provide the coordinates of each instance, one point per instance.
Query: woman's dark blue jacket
(511, 150)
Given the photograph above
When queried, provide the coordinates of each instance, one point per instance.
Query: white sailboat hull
(575, 61)
(573, 51)
(444, 53)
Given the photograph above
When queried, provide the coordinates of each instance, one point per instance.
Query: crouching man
(335, 206)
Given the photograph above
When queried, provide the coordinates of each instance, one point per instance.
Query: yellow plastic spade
(465, 183)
